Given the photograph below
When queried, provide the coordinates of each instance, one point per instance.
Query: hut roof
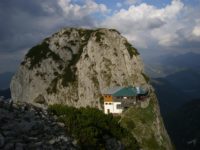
(126, 91)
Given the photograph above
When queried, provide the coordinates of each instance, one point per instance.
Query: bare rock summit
(74, 66)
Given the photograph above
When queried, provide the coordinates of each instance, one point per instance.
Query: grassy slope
(93, 129)
(147, 126)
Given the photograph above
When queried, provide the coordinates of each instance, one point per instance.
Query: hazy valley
(176, 80)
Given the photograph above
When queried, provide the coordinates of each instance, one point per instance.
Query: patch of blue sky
(157, 3)
(78, 2)
(116, 5)
(192, 2)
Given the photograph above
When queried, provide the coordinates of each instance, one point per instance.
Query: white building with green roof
(117, 99)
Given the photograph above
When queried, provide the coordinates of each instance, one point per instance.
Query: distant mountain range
(5, 79)
(170, 97)
(187, 60)
(169, 64)
(187, 81)
(176, 89)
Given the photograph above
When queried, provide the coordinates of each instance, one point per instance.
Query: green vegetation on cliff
(146, 125)
(39, 53)
(92, 128)
(131, 50)
(147, 79)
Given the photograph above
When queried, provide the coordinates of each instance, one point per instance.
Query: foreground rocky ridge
(24, 126)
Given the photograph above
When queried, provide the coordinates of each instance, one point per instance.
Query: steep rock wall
(74, 66)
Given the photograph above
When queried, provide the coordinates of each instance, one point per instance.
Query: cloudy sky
(155, 27)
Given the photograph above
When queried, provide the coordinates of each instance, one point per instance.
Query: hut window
(118, 106)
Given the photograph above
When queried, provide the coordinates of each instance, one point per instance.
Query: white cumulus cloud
(79, 11)
(146, 24)
(196, 31)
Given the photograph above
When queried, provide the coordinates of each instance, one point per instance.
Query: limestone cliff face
(74, 66)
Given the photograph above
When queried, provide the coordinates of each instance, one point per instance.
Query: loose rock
(29, 127)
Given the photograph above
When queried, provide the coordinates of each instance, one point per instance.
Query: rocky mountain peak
(73, 66)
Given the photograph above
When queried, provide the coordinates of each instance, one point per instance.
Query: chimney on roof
(137, 89)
